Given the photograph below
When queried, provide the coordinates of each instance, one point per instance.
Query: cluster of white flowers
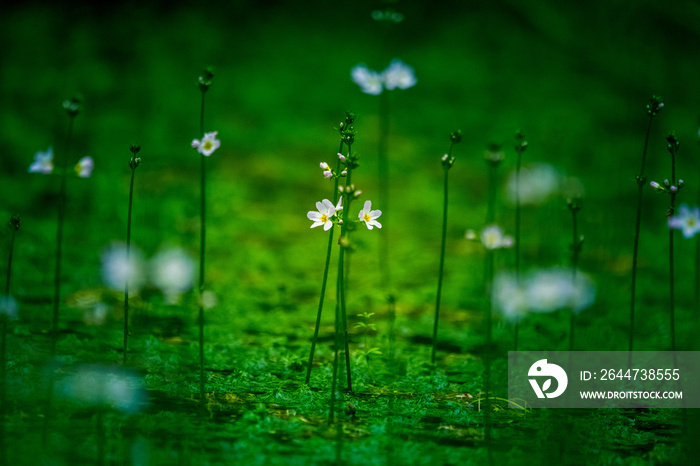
(491, 237)
(687, 220)
(171, 270)
(98, 386)
(542, 290)
(397, 75)
(207, 145)
(43, 163)
(326, 212)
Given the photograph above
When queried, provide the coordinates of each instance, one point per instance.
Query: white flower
(369, 80)
(492, 237)
(537, 182)
(326, 169)
(8, 308)
(399, 75)
(509, 296)
(95, 386)
(84, 167)
(173, 272)
(542, 290)
(43, 162)
(687, 220)
(207, 145)
(370, 216)
(557, 288)
(549, 290)
(326, 210)
(116, 269)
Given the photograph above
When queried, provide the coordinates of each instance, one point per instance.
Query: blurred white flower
(556, 288)
(687, 220)
(116, 269)
(399, 75)
(509, 296)
(43, 162)
(369, 80)
(549, 290)
(326, 210)
(208, 144)
(370, 216)
(542, 290)
(537, 183)
(8, 307)
(97, 386)
(209, 300)
(173, 272)
(492, 237)
(84, 167)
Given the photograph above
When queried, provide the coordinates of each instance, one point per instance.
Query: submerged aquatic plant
(133, 163)
(398, 75)
(346, 131)
(43, 163)
(653, 108)
(206, 146)
(447, 161)
(520, 146)
(671, 188)
(8, 311)
(574, 206)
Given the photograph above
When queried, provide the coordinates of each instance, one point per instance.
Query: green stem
(203, 233)
(325, 279)
(59, 240)
(491, 206)
(341, 275)
(446, 169)
(334, 383)
(384, 186)
(128, 258)
(640, 181)
(574, 263)
(3, 348)
(517, 240)
(671, 256)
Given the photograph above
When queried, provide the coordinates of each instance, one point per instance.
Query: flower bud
(341, 157)
(72, 106)
(14, 223)
(134, 149)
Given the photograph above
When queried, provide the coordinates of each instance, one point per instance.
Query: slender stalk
(652, 109)
(133, 165)
(325, 278)
(384, 185)
(59, 239)
(14, 226)
(202, 248)
(519, 149)
(487, 384)
(336, 326)
(673, 147)
(341, 275)
(447, 162)
(576, 244)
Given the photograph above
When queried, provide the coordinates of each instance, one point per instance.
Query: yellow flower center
(366, 217)
(691, 222)
(324, 218)
(208, 145)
